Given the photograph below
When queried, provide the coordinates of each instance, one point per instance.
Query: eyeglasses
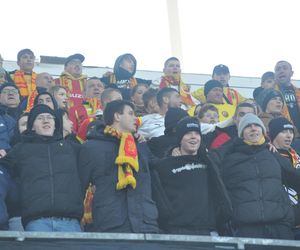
(42, 118)
(10, 91)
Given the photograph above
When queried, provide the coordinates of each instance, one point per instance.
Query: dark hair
(162, 93)
(36, 99)
(148, 96)
(205, 108)
(244, 105)
(113, 107)
(135, 88)
(23, 52)
(170, 59)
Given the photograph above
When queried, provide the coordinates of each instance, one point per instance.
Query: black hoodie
(122, 77)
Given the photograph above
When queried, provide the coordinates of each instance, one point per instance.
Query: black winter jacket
(126, 210)
(46, 169)
(195, 194)
(254, 178)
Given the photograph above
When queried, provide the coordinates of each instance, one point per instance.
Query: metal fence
(39, 240)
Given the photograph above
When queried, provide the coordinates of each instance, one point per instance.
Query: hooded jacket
(122, 79)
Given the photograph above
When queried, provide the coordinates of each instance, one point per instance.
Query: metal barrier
(161, 241)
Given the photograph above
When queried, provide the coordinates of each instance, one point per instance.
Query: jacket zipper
(260, 194)
(51, 177)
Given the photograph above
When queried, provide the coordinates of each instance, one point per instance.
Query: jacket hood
(121, 73)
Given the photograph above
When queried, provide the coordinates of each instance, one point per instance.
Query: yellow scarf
(127, 159)
(260, 142)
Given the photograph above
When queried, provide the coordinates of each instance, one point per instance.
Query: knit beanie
(277, 125)
(247, 120)
(185, 125)
(265, 96)
(208, 86)
(40, 109)
(172, 117)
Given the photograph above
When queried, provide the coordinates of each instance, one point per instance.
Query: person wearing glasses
(44, 166)
(10, 99)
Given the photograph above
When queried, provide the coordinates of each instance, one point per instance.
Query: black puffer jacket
(126, 210)
(254, 178)
(46, 168)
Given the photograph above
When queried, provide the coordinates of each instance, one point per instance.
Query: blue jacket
(6, 188)
(7, 125)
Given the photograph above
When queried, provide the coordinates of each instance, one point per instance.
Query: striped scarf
(127, 159)
(26, 87)
(183, 89)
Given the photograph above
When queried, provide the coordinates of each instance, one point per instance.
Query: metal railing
(222, 242)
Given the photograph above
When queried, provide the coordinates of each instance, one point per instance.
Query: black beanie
(185, 125)
(39, 109)
(172, 117)
(265, 96)
(208, 86)
(277, 125)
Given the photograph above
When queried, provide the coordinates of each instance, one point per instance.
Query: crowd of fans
(116, 154)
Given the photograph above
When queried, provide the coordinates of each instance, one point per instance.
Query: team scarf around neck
(169, 81)
(127, 159)
(260, 142)
(26, 89)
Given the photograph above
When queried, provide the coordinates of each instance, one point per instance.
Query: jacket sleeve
(290, 175)
(10, 161)
(85, 167)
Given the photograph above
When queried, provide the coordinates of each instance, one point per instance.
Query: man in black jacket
(45, 167)
(192, 193)
(119, 168)
(254, 178)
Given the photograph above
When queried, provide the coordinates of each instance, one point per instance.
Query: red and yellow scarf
(183, 89)
(26, 87)
(74, 86)
(127, 159)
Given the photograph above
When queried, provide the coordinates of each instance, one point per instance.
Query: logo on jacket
(188, 167)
